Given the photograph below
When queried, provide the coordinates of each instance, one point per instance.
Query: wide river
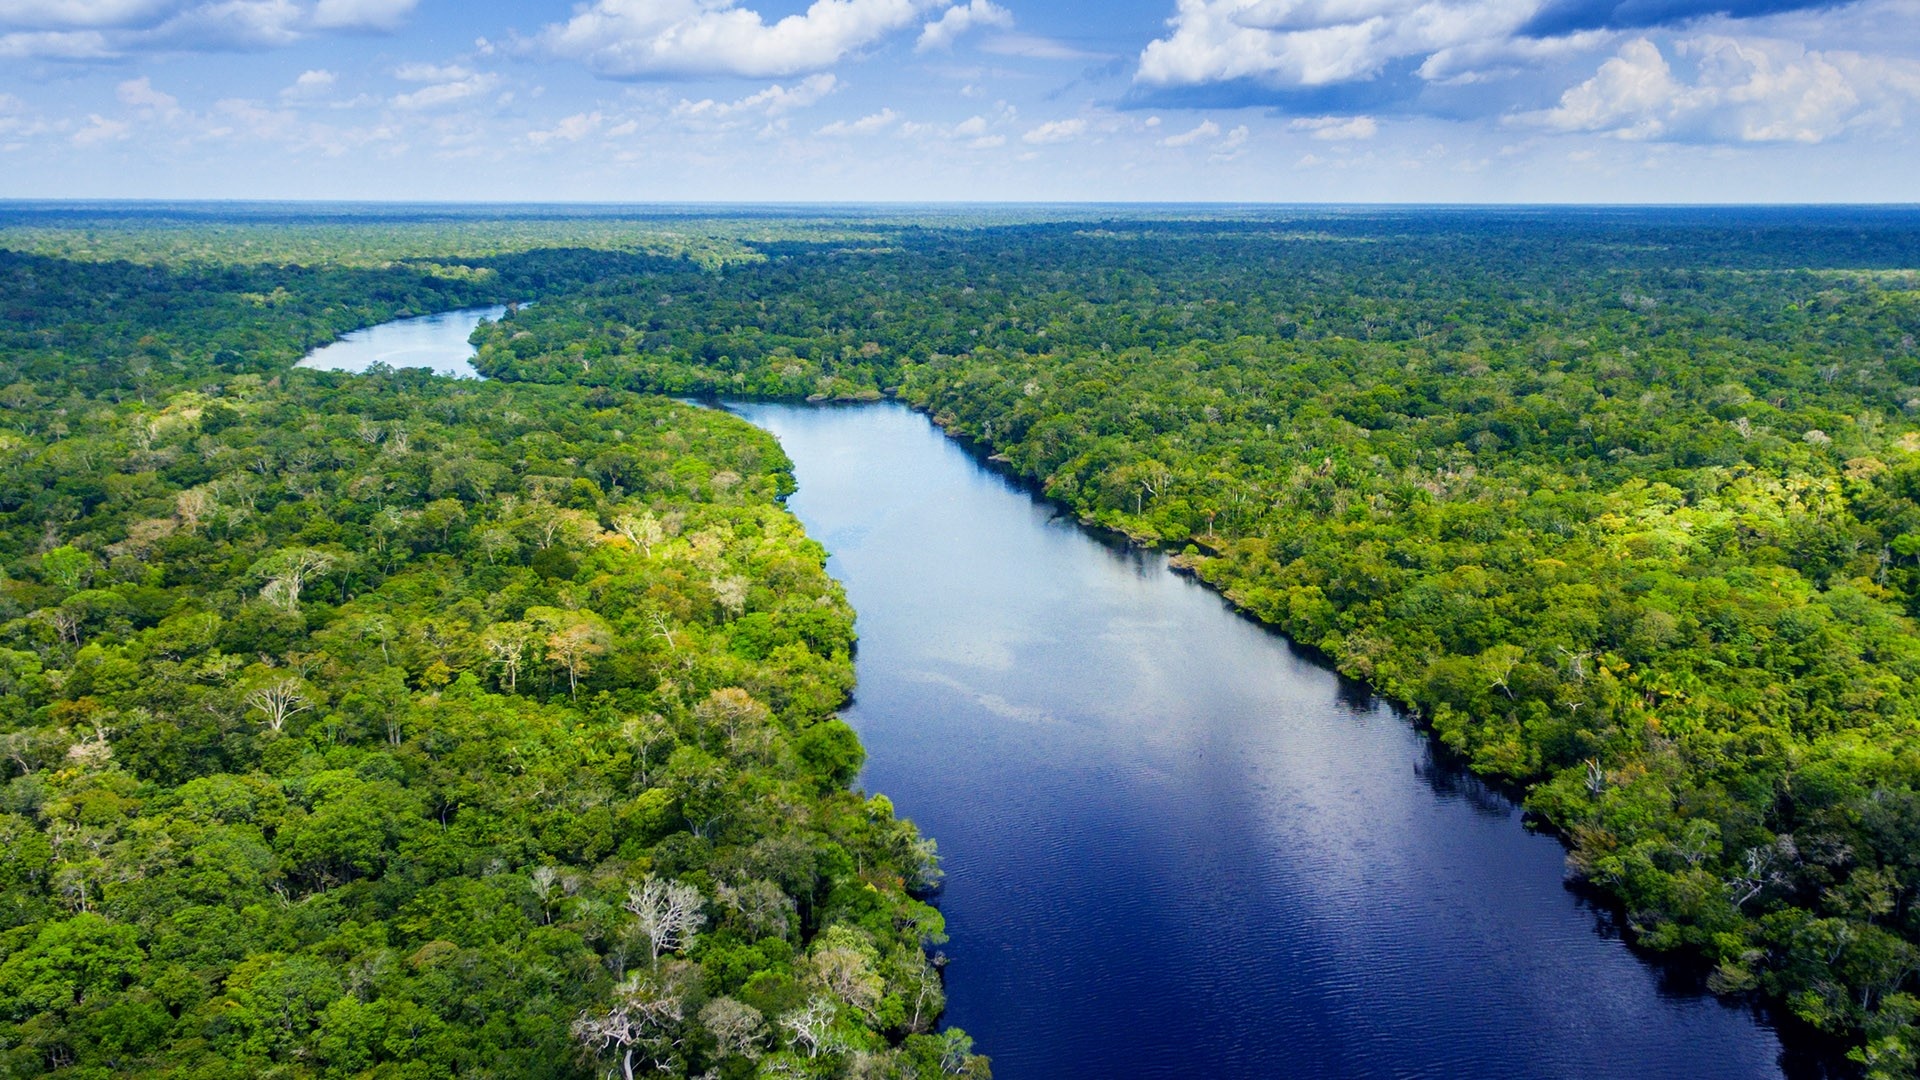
(1174, 845)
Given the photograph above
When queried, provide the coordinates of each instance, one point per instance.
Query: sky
(1423, 101)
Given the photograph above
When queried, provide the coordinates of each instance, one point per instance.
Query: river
(437, 341)
(1177, 847)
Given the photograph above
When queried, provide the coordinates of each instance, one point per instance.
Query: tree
(642, 531)
(642, 1023)
(572, 647)
(278, 701)
(736, 1028)
(288, 571)
(506, 645)
(811, 1025)
(666, 913)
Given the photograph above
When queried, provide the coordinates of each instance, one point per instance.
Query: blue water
(1175, 847)
(438, 342)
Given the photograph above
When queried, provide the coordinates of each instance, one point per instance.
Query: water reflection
(438, 342)
(1177, 846)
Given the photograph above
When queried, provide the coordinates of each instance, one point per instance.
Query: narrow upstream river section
(1175, 847)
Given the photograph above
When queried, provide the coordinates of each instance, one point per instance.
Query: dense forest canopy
(358, 723)
(393, 726)
(1621, 503)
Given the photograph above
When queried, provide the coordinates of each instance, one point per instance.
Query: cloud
(310, 85)
(1306, 43)
(1207, 130)
(140, 94)
(56, 45)
(941, 33)
(661, 38)
(361, 14)
(1566, 16)
(1741, 91)
(99, 129)
(1055, 131)
(79, 30)
(773, 101)
(1337, 128)
(422, 72)
(866, 125)
(571, 129)
(1036, 48)
(69, 14)
(445, 93)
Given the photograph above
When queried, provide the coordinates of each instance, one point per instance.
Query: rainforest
(393, 725)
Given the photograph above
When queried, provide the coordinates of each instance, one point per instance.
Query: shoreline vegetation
(388, 725)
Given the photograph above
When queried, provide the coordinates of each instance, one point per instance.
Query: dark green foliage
(345, 720)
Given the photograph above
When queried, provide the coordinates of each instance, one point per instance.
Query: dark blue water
(1174, 846)
(438, 342)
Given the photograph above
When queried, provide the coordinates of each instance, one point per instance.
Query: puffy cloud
(1207, 129)
(866, 125)
(773, 101)
(1055, 131)
(438, 94)
(941, 33)
(1741, 90)
(1305, 43)
(310, 85)
(651, 38)
(140, 94)
(99, 129)
(570, 129)
(1337, 128)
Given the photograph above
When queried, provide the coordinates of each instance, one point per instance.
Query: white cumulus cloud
(1206, 129)
(1740, 90)
(641, 38)
(773, 101)
(941, 33)
(871, 124)
(1055, 131)
(1317, 42)
(1337, 128)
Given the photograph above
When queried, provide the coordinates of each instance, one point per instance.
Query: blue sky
(1159, 100)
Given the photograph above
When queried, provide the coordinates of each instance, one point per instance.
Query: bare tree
(811, 1026)
(737, 1028)
(506, 645)
(735, 713)
(642, 532)
(288, 571)
(667, 913)
(550, 886)
(763, 906)
(279, 701)
(573, 647)
(642, 1022)
(731, 593)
